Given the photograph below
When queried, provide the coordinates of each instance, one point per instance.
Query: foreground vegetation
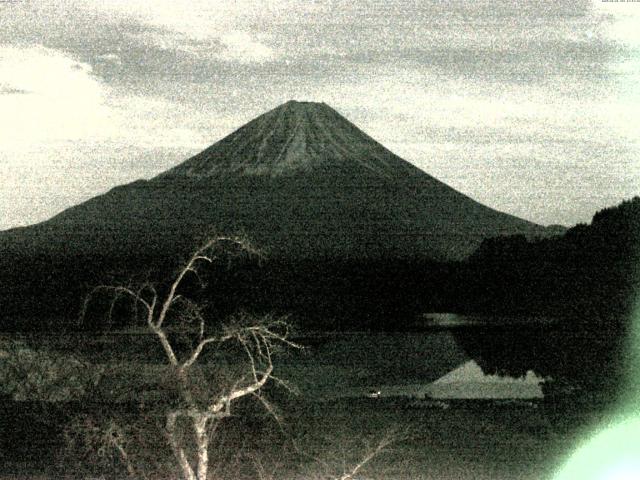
(313, 440)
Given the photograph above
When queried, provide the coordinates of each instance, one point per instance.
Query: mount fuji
(300, 180)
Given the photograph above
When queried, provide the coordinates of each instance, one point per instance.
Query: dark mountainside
(330, 207)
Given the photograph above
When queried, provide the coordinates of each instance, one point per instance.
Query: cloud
(199, 40)
(9, 90)
(195, 27)
(231, 46)
(620, 21)
(112, 58)
(70, 137)
(241, 47)
(64, 103)
(67, 102)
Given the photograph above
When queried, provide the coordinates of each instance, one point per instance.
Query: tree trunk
(202, 442)
(178, 451)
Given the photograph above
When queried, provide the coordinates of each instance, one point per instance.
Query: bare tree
(201, 407)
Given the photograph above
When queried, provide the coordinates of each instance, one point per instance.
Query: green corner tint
(612, 452)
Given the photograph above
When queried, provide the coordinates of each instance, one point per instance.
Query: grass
(466, 441)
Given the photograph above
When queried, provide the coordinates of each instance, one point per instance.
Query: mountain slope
(292, 139)
(301, 181)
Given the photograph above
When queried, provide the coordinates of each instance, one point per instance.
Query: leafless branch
(268, 407)
(198, 350)
(199, 256)
(225, 401)
(286, 385)
(323, 469)
(380, 447)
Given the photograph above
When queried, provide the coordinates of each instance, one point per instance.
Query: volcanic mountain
(300, 181)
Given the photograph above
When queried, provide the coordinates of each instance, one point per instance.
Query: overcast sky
(529, 106)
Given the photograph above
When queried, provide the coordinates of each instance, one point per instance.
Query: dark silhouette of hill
(589, 278)
(591, 269)
(317, 194)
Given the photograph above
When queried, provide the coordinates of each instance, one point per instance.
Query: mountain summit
(301, 181)
(294, 138)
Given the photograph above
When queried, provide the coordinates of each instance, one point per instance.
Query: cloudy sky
(529, 106)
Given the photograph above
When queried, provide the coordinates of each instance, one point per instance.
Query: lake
(332, 365)
(479, 440)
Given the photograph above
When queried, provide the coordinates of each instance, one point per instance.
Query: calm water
(483, 441)
(332, 365)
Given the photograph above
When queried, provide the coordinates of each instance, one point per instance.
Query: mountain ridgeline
(331, 208)
(300, 181)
